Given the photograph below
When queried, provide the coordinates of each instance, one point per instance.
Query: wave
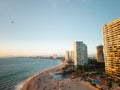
(19, 85)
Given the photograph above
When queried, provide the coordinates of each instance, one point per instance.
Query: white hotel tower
(80, 54)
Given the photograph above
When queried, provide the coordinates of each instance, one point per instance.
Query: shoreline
(44, 81)
(30, 79)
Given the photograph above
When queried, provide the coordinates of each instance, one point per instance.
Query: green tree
(119, 84)
(110, 84)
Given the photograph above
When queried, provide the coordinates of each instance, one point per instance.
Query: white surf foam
(19, 85)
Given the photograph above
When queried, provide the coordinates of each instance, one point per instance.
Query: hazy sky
(45, 27)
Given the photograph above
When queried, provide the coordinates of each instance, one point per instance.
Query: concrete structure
(72, 55)
(100, 55)
(67, 55)
(54, 56)
(80, 54)
(111, 33)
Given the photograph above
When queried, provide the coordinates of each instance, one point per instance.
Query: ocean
(14, 71)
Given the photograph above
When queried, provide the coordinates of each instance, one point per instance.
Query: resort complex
(109, 53)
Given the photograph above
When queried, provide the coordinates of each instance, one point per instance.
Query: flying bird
(12, 21)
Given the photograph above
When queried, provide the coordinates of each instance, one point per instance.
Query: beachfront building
(80, 54)
(67, 55)
(54, 56)
(72, 55)
(111, 33)
(100, 55)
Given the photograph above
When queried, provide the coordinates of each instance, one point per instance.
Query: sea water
(14, 71)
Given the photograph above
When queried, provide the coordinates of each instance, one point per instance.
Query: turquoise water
(14, 71)
(96, 82)
(61, 77)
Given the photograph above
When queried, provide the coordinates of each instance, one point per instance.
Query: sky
(46, 27)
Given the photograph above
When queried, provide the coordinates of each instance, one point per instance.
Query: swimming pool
(96, 82)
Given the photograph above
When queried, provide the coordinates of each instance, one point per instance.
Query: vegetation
(93, 84)
(119, 84)
(91, 69)
(101, 89)
(66, 67)
(74, 74)
(109, 83)
(93, 64)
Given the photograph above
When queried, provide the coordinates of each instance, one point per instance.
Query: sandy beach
(44, 81)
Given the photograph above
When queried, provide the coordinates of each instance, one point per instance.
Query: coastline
(30, 79)
(44, 81)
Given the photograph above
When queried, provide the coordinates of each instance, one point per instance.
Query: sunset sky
(46, 27)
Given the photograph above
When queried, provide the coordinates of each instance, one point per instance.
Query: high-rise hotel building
(111, 33)
(80, 54)
(72, 55)
(100, 55)
(67, 55)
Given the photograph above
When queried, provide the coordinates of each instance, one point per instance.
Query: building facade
(100, 55)
(72, 55)
(67, 55)
(54, 56)
(111, 33)
(80, 54)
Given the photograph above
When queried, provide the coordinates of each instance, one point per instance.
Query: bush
(110, 84)
(74, 74)
(101, 89)
(93, 84)
(90, 81)
(119, 84)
